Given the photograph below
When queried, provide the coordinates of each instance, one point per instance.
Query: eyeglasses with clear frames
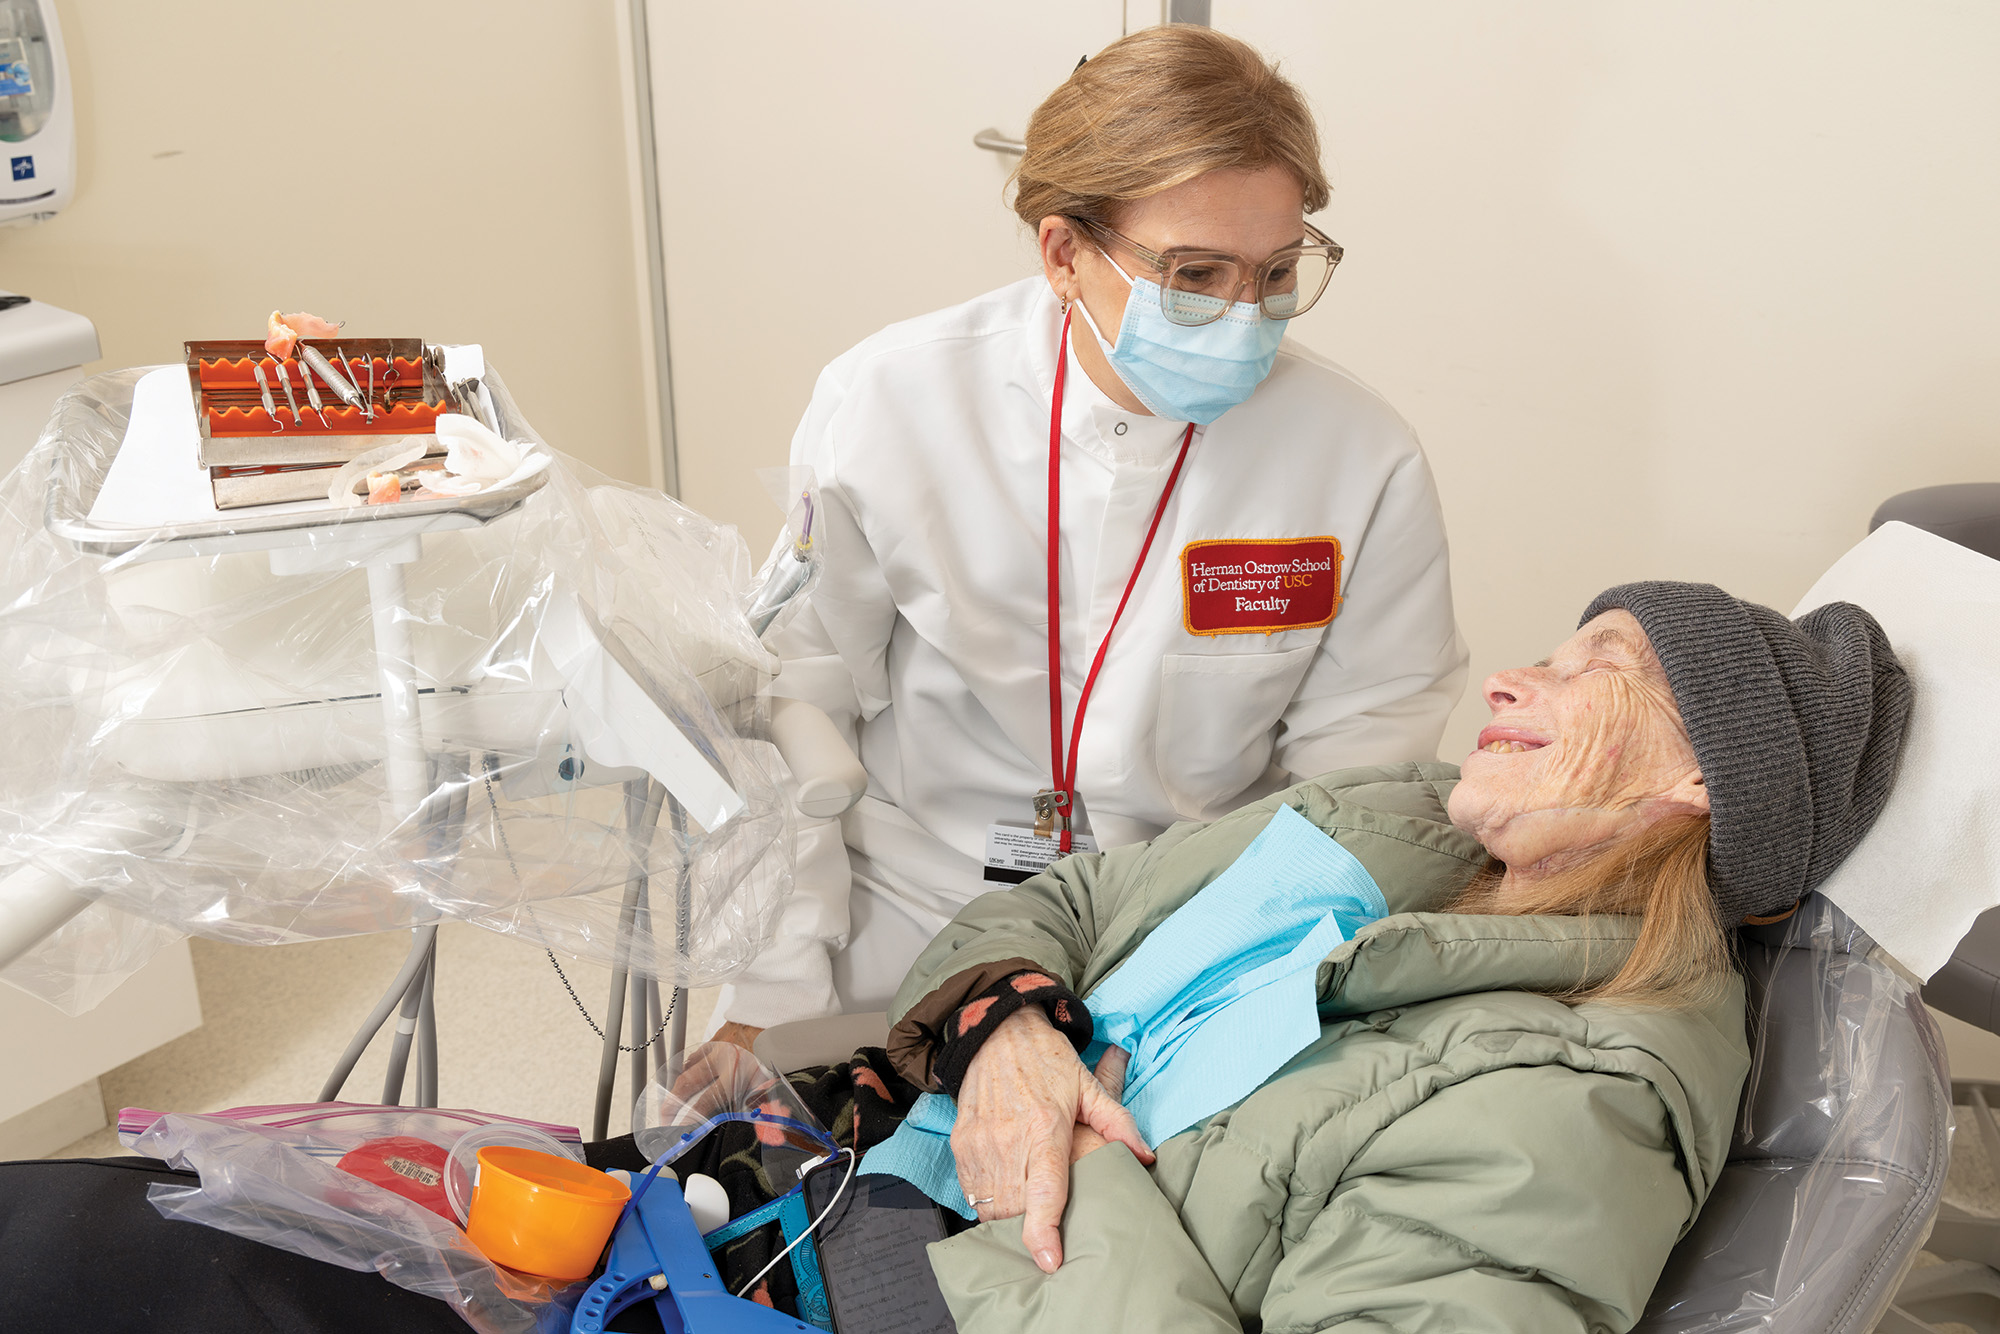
(1199, 286)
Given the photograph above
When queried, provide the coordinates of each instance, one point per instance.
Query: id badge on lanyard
(1018, 849)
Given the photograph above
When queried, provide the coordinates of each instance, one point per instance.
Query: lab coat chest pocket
(1217, 714)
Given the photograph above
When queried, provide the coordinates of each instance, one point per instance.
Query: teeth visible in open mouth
(1506, 747)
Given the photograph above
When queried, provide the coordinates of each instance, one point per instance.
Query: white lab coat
(926, 638)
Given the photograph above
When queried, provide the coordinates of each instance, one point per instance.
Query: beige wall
(825, 189)
(1668, 290)
(449, 169)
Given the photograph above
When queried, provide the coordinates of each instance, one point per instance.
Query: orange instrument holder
(402, 419)
(224, 375)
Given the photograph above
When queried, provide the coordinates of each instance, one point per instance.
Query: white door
(818, 181)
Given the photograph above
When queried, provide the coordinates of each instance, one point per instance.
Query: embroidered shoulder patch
(1259, 585)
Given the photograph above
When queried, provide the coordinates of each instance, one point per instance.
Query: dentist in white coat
(1102, 551)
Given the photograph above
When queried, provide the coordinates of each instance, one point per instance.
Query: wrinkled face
(1585, 748)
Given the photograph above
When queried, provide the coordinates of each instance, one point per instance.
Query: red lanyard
(1059, 803)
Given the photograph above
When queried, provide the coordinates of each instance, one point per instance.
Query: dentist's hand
(1025, 1101)
(740, 1034)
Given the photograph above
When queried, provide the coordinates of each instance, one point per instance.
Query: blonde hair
(1681, 955)
(1153, 109)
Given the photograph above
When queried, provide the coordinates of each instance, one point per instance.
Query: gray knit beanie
(1796, 726)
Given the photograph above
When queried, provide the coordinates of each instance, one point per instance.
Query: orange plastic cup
(542, 1214)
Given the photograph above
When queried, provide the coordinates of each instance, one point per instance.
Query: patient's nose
(1502, 689)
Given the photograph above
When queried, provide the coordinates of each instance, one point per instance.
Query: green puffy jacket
(1454, 1153)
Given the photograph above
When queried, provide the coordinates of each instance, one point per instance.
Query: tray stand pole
(407, 770)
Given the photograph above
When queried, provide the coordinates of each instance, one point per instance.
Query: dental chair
(1836, 1174)
(1837, 1167)
(1839, 1156)
(1841, 1145)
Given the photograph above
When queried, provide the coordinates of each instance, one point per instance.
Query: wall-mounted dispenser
(37, 114)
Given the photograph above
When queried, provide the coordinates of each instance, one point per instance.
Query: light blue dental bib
(1213, 1002)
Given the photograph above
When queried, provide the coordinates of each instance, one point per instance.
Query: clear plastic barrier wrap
(1841, 1144)
(279, 1180)
(791, 572)
(722, 1083)
(204, 733)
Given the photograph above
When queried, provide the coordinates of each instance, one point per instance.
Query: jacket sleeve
(1050, 922)
(1392, 665)
(1127, 1264)
(1529, 1198)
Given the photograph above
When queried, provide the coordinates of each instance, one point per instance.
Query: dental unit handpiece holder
(787, 577)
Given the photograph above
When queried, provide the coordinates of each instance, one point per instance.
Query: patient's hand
(1020, 1109)
(1110, 1074)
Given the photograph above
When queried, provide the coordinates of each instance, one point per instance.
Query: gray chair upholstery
(1968, 986)
(1967, 513)
(1841, 1144)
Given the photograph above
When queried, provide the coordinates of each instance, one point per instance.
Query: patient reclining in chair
(1404, 1048)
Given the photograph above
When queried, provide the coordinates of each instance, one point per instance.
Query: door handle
(993, 141)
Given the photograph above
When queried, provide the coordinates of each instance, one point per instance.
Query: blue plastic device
(658, 1236)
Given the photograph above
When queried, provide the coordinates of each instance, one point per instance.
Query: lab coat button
(1119, 429)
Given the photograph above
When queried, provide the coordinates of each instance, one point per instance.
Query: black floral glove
(967, 1031)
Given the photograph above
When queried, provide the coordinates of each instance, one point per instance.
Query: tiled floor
(277, 1017)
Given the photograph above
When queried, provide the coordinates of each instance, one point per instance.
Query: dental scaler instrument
(312, 393)
(285, 383)
(333, 379)
(347, 364)
(264, 388)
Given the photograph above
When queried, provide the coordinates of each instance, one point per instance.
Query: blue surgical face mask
(1183, 372)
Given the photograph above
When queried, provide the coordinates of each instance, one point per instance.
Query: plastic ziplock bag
(272, 1174)
(197, 737)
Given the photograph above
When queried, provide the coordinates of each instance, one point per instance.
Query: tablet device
(871, 1253)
